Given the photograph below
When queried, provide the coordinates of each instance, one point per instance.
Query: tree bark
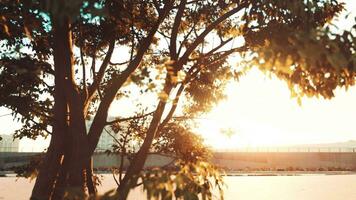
(61, 184)
(89, 178)
(51, 164)
(138, 162)
(79, 156)
(48, 171)
(69, 122)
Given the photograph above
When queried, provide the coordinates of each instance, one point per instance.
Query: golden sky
(260, 112)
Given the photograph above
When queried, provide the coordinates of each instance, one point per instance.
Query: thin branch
(102, 69)
(122, 156)
(175, 28)
(156, 4)
(173, 108)
(189, 2)
(185, 39)
(84, 73)
(4, 115)
(108, 132)
(187, 35)
(188, 79)
(42, 114)
(164, 37)
(224, 55)
(163, 34)
(122, 63)
(230, 51)
(99, 93)
(93, 64)
(201, 37)
(113, 175)
(118, 81)
(132, 42)
(121, 167)
(85, 89)
(129, 118)
(138, 184)
(216, 48)
(38, 124)
(187, 117)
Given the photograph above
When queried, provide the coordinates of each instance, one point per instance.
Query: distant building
(8, 144)
(107, 140)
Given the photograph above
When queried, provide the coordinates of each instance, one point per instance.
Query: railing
(289, 149)
(247, 149)
(9, 149)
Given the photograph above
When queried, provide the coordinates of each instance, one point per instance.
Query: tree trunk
(61, 183)
(89, 178)
(130, 179)
(68, 121)
(79, 155)
(48, 172)
(52, 162)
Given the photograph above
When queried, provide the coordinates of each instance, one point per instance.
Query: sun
(222, 132)
(248, 117)
(260, 112)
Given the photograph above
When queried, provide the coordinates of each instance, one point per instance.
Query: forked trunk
(68, 121)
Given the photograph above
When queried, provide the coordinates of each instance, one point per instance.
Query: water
(315, 187)
(311, 187)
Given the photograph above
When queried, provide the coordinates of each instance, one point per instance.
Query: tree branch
(213, 50)
(85, 89)
(101, 72)
(186, 37)
(117, 81)
(156, 4)
(93, 64)
(113, 137)
(173, 108)
(128, 118)
(113, 175)
(175, 28)
(201, 37)
(122, 63)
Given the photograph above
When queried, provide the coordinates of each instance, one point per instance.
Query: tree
(179, 48)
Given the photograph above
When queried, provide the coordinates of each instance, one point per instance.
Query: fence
(249, 149)
(289, 149)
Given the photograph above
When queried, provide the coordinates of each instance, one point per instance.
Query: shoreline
(288, 173)
(5, 174)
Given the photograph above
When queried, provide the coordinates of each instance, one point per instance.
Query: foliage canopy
(64, 62)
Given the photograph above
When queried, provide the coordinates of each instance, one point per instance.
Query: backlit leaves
(189, 181)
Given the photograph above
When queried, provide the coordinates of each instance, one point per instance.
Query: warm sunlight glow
(261, 112)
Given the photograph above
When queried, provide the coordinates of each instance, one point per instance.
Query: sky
(260, 112)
